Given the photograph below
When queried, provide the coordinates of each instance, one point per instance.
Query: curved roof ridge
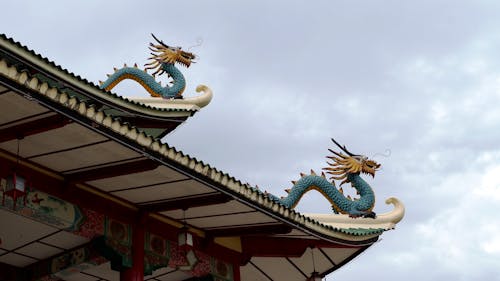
(167, 154)
(91, 87)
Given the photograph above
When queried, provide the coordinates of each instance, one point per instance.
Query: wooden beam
(113, 171)
(85, 196)
(54, 184)
(250, 230)
(33, 127)
(186, 202)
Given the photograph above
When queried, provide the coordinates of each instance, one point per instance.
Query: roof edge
(87, 87)
(235, 188)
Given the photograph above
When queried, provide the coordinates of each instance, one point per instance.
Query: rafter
(113, 171)
(33, 127)
(186, 202)
(267, 229)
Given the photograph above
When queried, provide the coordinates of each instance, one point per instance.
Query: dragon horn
(336, 172)
(343, 148)
(336, 153)
(159, 41)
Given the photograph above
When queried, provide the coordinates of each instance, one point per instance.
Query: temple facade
(90, 192)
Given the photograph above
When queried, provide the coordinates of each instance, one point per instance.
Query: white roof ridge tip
(189, 103)
(133, 134)
(386, 220)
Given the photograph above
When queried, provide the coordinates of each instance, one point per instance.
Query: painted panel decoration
(48, 209)
(75, 262)
(202, 267)
(177, 256)
(118, 236)
(157, 253)
(221, 271)
(114, 235)
(92, 226)
(65, 264)
(195, 262)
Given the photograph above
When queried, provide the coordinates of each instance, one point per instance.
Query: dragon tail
(340, 203)
(134, 73)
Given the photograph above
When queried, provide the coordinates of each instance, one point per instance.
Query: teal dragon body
(347, 168)
(163, 60)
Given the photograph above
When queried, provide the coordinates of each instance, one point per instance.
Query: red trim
(69, 192)
(206, 245)
(33, 127)
(258, 245)
(136, 272)
(236, 272)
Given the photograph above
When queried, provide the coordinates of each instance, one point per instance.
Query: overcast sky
(421, 78)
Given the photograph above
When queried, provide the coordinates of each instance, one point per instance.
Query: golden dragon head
(349, 164)
(162, 53)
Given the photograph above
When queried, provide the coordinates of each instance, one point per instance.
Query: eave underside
(73, 158)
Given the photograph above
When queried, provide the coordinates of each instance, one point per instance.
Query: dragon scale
(162, 61)
(346, 168)
(148, 82)
(340, 203)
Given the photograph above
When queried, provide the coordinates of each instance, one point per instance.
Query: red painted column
(236, 272)
(136, 272)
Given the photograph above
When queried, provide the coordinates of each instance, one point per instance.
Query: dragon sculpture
(346, 168)
(163, 60)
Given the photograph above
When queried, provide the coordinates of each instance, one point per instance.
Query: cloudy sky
(420, 78)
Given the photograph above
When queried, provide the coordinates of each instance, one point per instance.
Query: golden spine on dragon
(347, 168)
(163, 59)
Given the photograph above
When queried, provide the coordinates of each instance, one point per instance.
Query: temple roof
(106, 147)
(139, 112)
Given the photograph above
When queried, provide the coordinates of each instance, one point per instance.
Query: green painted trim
(361, 231)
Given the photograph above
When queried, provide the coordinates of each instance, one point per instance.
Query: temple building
(90, 192)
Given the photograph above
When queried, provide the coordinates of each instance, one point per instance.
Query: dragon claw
(370, 215)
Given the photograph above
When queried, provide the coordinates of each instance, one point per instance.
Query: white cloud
(464, 235)
(489, 189)
(421, 78)
(492, 246)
